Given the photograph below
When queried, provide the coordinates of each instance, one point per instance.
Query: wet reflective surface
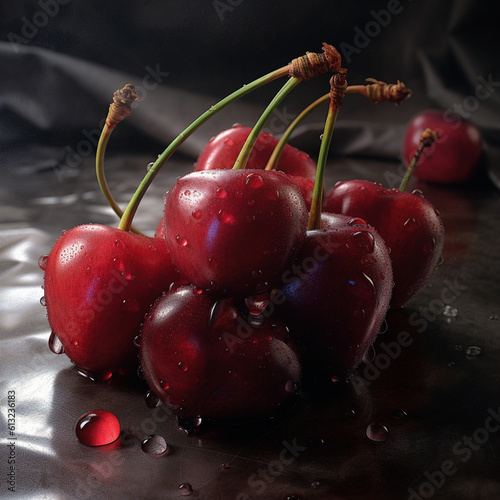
(432, 381)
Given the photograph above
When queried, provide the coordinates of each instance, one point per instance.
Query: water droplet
(335, 379)
(349, 412)
(225, 465)
(151, 399)
(165, 385)
(149, 166)
(42, 262)
(187, 192)
(137, 341)
(94, 377)
(155, 445)
(384, 327)
(140, 373)
(399, 414)
(315, 484)
(221, 193)
(97, 428)
(131, 305)
(226, 217)
(250, 218)
(377, 432)
(181, 240)
(410, 223)
(182, 366)
(197, 213)
(236, 125)
(473, 351)
(365, 241)
(315, 441)
(257, 304)
(450, 312)
(494, 317)
(185, 489)
(417, 192)
(254, 181)
(290, 386)
(189, 424)
(256, 321)
(303, 155)
(357, 222)
(119, 243)
(43, 302)
(55, 345)
(272, 195)
(369, 355)
(436, 211)
(228, 142)
(212, 262)
(197, 290)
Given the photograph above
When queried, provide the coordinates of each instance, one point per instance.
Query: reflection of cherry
(99, 283)
(222, 152)
(338, 292)
(209, 358)
(454, 157)
(233, 230)
(408, 223)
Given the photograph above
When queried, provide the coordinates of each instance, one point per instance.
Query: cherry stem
(427, 139)
(120, 108)
(131, 209)
(338, 87)
(376, 92)
(101, 178)
(246, 150)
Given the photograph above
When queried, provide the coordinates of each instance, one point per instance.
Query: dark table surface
(444, 382)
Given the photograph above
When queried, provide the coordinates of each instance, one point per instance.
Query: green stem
(246, 150)
(101, 178)
(317, 196)
(131, 209)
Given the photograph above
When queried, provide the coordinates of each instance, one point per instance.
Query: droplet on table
(97, 428)
(185, 489)
(473, 351)
(450, 312)
(377, 432)
(155, 445)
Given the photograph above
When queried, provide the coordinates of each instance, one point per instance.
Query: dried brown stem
(121, 107)
(378, 91)
(311, 64)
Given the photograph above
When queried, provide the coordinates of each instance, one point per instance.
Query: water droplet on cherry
(228, 142)
(377, 432)
(221, 193)
(365, 241)
(225, 465)
(119, 243)
(189, 424)
(357, 222)
(181, 240)
(185, 489)
(290, 386)
(97, 428)
(254, 181)
(182, 366)
(417, 192)
(55, 345)
(197, 213)
(155, 446)
(226, 217)
(42, 262)
(410, 223)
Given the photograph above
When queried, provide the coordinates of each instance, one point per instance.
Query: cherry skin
(336, 294)
(99, 283)
(456, 154)
(233, 230)
(210, 358)
(223, 149)
(409, 224)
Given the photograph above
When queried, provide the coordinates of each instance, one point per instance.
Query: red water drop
(97, 428)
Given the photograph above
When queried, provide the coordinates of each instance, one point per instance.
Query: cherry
(212, 358)
(409, 224)
(233, 230)
(456, 154)
(336, 293)
(222, 152)
(99, 283)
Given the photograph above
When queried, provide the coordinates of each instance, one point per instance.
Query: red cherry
(409, 224)
(207, 357)
(337, 292)
(99, 283)
(233, 230)
(455, 155)
(223, 149)
(97, 428)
